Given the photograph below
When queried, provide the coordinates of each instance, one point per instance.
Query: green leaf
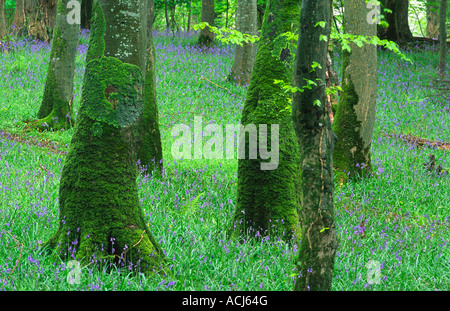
(317, 103)
(321, 24)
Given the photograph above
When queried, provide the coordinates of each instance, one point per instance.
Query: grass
(405, 210)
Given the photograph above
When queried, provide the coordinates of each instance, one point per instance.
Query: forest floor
(398, 218)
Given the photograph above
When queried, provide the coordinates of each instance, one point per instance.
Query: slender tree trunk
(166, 14)
(206, 37)
(268, 191)
(226, 14)
(100, 215)
(432, 20)
(55, 111)
(355, 116)
(172, 17)
(189, 16)
(86, 10)
(244, 56)
(150, 151)
(316, 140)
(442, 38)
(3, 24)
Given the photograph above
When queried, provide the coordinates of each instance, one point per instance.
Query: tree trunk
(40, 17)
(432, 20)
(355, 116)
(100, 214)
(3, 24)
(189, 16)
(206, 37)
(261, 8)
(398, 29)
(244, 56)
(316, 140)
(150, 151)
(268, 191)
(86, 10)
(442, 38)
(19, 16)
(166, 14)
(56, 107)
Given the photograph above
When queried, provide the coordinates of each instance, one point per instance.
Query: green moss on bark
(268, 200)
(100, 215)
(349, 149)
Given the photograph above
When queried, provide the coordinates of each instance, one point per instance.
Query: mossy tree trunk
(100, 215)
(316, 140)
(442, 38)
(150, 152)
(206, 37)
(55, 111)
(268, 199)
(355, 116)
(244, 56)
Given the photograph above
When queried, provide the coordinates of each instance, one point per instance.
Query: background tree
(316, 140)
(442, 38)
(86, 10)
(244, 56)
(19, 16)
(206, 37)
(3, 24)
(355, 115)
(100, 214)
(55, 111)
(150, 151)
(432, 19)
(398, 29)
(267, 200)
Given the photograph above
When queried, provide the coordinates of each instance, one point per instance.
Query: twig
(20, 255)
(203, 78)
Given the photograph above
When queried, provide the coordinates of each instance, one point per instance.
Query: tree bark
(355, 116)
(150, 150)
(244, 56)
(206, 37)
(40, 18)
(316, 140)
(398, 29)
(268, 198)
(55, 111)
(3, 24)
(86, 11)
(189, 16)
(100, 215)
(19, 16)
(442, 38)
(432, 20)
(166, 14)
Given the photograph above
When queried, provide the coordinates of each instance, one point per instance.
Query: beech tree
(316, 141)
(150, 150)
(55, 111)
(206, 37)
(355, 115)
(100, 215)
(267, 200)
(3, 24)
(432, 19)
(244, 56)
(442, 37)
(398, 29)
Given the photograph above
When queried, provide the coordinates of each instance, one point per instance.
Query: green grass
(405, 209)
